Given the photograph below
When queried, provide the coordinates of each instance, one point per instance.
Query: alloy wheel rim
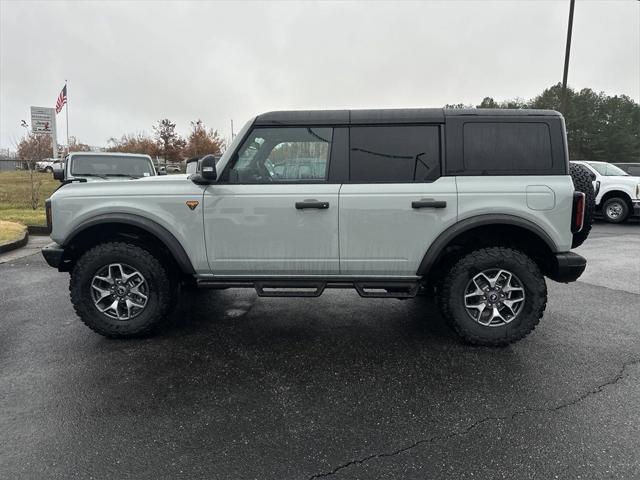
(614, 210)
(494, 297)
(119, 291)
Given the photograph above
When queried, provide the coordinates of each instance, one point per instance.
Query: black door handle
(312, 204)
(427, 203)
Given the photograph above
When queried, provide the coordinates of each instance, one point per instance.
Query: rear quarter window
(502, 147)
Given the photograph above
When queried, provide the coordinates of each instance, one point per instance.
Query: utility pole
(563, 107)
(232, 134)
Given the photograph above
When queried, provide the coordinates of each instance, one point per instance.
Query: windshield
(111, 166)
(607, 169)
(234, 144)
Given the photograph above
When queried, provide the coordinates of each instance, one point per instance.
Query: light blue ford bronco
(474, 206)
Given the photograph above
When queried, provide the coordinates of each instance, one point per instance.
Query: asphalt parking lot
(238, 386)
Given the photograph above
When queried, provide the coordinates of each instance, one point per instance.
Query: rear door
(396, 202)
(274, 210)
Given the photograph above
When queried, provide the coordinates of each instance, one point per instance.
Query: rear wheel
(121, 290)
(493, 296)
(615, 210)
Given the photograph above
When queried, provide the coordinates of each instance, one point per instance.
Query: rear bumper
(53, 254)
(568, 267)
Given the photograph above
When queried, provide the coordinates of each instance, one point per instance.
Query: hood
(622, 179)
(160, 186)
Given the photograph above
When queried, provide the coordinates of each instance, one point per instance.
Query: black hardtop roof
(391, 115)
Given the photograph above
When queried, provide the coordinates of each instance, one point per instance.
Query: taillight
(47, 209)
(577, 214)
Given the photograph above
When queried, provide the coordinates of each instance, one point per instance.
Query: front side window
(287, 154)
(111, 166)
(394, 154)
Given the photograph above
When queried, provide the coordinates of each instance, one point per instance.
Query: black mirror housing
(207, 173)
(208, 168)
(58, 174)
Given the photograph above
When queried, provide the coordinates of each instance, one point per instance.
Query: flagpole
(67, 113)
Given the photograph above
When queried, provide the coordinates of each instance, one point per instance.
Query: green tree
(599, 127)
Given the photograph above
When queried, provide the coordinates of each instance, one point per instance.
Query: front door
(273, 211)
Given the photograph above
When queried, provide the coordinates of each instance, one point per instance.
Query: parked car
(92, 166)
(476, 206)
(631, 168)
(48, 165)
(618, 193)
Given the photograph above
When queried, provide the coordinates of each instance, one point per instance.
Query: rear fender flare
(445, 238)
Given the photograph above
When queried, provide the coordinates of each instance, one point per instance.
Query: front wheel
(121, 290)
(493, 296)
(615, 210)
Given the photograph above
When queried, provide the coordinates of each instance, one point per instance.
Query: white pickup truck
(617, 192)
(48, 165)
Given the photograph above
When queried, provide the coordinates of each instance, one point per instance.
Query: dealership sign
(43, 121)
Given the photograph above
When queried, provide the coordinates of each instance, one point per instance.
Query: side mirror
(207, 171)
(161, 172)
(208, 168)
(58, 173)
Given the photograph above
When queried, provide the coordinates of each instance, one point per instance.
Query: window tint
(111, 165)
(634, 170)
(607, 169)
(283, 155)
(506, 147)
(394, 154)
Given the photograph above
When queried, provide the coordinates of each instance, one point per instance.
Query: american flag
(62, 99)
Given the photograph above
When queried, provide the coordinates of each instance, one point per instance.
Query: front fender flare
(155, 229)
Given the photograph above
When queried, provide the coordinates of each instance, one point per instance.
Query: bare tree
(171, 144)
(135, 143)
(203, 141)
(33, 148)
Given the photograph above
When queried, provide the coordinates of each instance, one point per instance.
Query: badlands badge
(192, 204)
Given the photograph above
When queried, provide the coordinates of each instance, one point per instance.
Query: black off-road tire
(161, 295)
(622, 204)
(451, 296)
(582, 183)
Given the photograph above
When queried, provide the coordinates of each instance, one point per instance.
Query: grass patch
(15, 197)
(10, 232)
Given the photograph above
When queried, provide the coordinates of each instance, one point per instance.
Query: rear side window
(502, 147)
(394, 154)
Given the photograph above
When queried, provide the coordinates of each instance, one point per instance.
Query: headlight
(638, 190)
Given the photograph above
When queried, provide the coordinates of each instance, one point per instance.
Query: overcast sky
(132, 63)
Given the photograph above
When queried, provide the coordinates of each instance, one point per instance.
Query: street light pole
(563, 107)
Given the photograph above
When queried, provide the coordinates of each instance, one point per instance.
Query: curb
(7, 247)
